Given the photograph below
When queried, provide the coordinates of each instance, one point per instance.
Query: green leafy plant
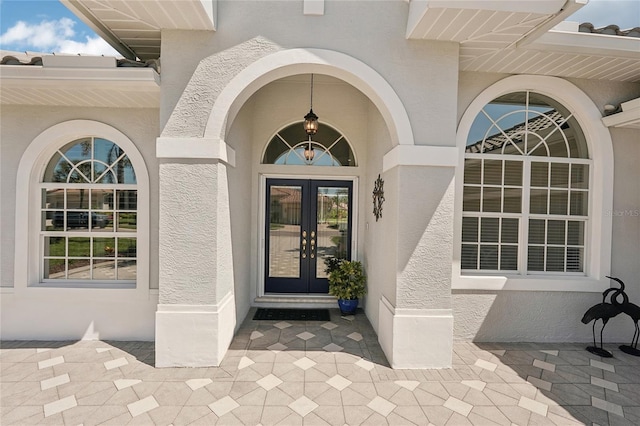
(347, 279)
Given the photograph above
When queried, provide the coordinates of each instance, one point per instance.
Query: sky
(47, 26)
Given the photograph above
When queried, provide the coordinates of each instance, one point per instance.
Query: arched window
(526, 192)
(291, 146)
(89, 214)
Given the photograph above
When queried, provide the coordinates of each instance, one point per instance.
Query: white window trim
(28, 181)
(598, 256)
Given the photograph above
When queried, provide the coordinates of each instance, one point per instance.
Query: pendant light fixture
(310, 127)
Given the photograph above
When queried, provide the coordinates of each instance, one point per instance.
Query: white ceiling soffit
(518, 37)
(133, 27)
(80, 87)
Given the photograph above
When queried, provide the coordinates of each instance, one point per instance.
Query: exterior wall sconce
(378, 198)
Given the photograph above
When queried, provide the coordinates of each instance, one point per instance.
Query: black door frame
(307, 283)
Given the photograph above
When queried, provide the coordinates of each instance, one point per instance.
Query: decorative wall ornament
(378, 198)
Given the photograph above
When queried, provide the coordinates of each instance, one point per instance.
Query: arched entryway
(227, 184)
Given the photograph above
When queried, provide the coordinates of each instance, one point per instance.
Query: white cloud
(52, 36)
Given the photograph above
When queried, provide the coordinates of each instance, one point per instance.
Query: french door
(307, 221)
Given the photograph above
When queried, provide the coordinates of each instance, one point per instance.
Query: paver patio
(294, 373)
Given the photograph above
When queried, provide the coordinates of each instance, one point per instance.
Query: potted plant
(347, 282)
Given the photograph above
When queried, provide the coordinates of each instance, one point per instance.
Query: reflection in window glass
(88, 213)
(291, 146)
(526, 165)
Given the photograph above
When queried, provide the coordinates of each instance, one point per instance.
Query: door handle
(304, 244)
(313, 247)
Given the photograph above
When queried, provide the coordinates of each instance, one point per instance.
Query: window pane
(79, 247)
(558, 202)
(555, 232)
(579, 205)
(127, 222)
(535, 261)
(54, 269)
(104, 247)
(99, 174)
(53, 198)
(79, 269)
(536, 231)
(470, 229)
(492, 172)
(513, 173)
(54, 246)
(471, 199)
(489, 230)
(52, 221)
(579, 176)
(469, 258)
(555, 259)
(77, 198)
(127, 200)
(104, 269)
(127, 269)
(489, 257)
(472, 171)
(509, 231)
(76, 220)
(509, 258)
(560, 175)
(57, 170)
(491, 199)
(127, 247)
(102, 199)
(78, 150)
(512, 200)
(575, 259)
(540, 174)
(538, 201)
(102, 221)
(575, 233)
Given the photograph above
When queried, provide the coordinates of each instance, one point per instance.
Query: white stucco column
(416, 319)
(195, 320)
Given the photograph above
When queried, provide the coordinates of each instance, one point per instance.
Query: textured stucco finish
(425, 227)
(195, 255)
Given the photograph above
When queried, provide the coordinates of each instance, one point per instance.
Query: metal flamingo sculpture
(633, 311)
(602, 311)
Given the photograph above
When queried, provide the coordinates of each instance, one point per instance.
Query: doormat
(292, 314)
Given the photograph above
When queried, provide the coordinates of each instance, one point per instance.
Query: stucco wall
(419, 72)
(21, 124)
(555, 316)
(59, 313)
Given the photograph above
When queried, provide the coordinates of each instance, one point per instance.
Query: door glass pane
(332, 226)
(285, 234)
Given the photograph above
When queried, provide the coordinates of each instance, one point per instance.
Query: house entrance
(307, 221)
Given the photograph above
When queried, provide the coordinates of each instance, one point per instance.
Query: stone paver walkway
(294, 373)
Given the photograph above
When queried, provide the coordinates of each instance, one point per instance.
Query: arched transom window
(89, 214)
(291, 146)
(526, 189)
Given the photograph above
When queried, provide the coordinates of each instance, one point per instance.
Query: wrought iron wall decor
(378, 198)
(605, 311)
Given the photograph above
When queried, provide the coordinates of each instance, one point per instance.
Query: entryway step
(295, 301)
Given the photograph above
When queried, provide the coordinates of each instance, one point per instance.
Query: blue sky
(48, 26)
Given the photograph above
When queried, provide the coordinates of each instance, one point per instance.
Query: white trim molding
(599, 232)
(194, 335)
(415, 338)
(420, 155)
(628, 117)
(211, 148)
(305, 61)
(30, 171)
